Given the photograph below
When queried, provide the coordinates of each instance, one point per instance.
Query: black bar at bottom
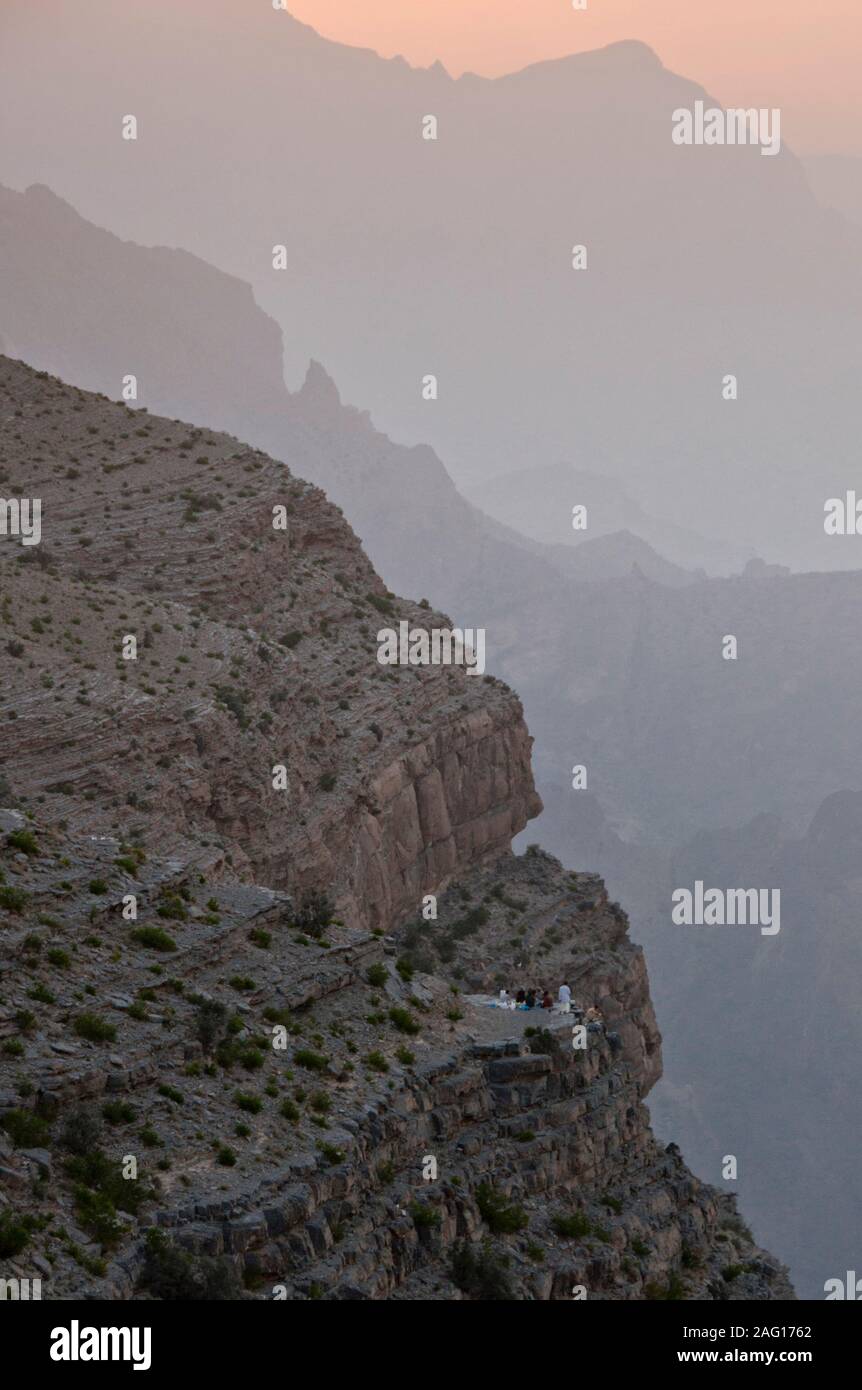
(259, 1338)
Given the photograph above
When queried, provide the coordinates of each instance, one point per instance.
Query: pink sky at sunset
(800, 55)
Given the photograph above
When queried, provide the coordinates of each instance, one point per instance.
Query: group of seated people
(541, 999)
(526, 999)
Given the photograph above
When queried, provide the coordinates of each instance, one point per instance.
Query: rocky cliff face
(256, 648)
(234, 1059)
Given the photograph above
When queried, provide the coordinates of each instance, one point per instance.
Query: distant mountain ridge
(539, 501)
(407, 257)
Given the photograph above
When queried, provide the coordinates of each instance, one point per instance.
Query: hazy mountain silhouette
(408, 257)
(539, 502)
(81, 303)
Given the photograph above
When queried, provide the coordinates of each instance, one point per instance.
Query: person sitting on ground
(564, 997)
(530, 1001)
(520, 996)
(547, 1001)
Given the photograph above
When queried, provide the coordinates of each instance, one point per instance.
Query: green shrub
(41, 994)
(23, 840)
(25, 1129)
(94, 1028)
(118, 1112)
(500, 1215)
(176, 1276)
(155, 938)
(672, 1290)
(236, 701)
(313, 915)
(14, 1235)
(81, 1132)
(13, 899)
(383, 605)
(98, 887)
(230, 1050)
(101, 1190)
(210, 1022)
(173, 909)
(312, 1061)
(99, 1216)
(377, 975)
(481, 1274)
(424, 1217)
(252, 1104)
(403, 1020)
(572, 1225)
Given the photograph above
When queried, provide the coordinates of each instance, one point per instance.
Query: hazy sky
(801, 55)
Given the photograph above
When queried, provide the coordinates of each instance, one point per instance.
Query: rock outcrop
(256, 648)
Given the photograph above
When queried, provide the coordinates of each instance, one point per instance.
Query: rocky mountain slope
(229, 1043)
(166, 533)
